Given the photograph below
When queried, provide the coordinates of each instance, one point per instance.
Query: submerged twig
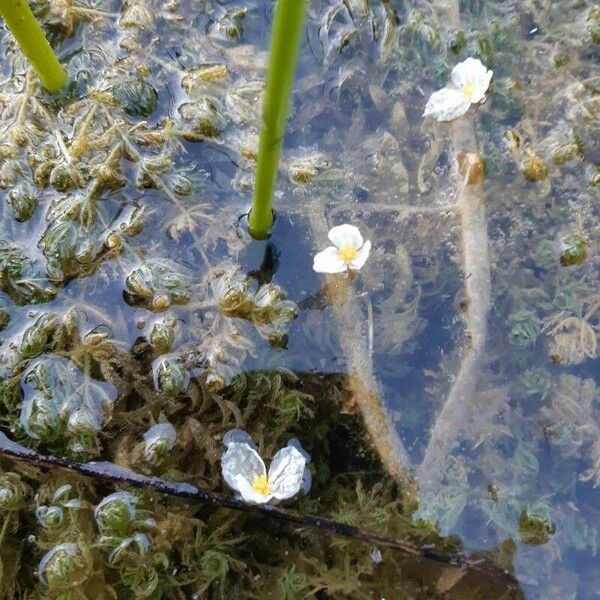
(119, 475)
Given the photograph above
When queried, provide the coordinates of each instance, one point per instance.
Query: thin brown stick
(118, 475)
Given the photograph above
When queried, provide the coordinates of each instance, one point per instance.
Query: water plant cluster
(139, 327)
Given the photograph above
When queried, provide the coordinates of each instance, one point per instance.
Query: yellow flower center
(260, 484)
(347, 253)
(468, 89)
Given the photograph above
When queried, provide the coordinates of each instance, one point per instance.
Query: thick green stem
(33, 43)
(285, 42)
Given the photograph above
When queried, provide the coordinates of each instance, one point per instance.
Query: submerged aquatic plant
(245, 472)
(348, 253)
(55, 515)
(159, 440)
(468, 84)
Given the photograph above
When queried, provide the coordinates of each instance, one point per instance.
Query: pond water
(447, 392)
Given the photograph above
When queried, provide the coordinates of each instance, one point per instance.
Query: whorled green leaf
(264, 306)
(535, 529)
(37, 338)
(13, 492)
(170, 375)
(64, 407)
(158, 283)
(137, 97)
(205, 117)
(21, 277)
(23, 200)
(228, 22)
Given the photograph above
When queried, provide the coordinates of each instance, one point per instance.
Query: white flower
(469, 81)
(348, 251)
(245, 472)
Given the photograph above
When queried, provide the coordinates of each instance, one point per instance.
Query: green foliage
(138, 98)
(535, 529)
(158, 284)
(21, 278)
(573, 250)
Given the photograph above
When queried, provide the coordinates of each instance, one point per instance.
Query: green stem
(285, 43)
(4, 528)
(33, 43)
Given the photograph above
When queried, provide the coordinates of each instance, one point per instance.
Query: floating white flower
(245, 472)
(469, 81)
(348, 252)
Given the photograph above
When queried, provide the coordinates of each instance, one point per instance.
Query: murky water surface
(131, 297)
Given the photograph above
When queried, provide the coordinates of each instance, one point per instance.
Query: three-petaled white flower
(244, 470)
(469, 81)
(348, 252)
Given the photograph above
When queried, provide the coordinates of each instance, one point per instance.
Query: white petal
(480, 87)
(286, 473)
(469, 70)
(295, 443)
(361, 258)
(472, 71)
(240, 465)
(447, 104)
(329, 261)
(345, 235)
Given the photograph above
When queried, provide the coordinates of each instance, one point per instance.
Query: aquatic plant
(288, 23)
(148, 157)
(33, 43)
(245, 472)
(468, 84)
(348, 253)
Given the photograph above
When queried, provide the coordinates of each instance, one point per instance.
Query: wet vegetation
(140, 323)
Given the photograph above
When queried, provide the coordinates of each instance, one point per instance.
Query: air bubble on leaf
(64, 566)
(170, 375)
(116, 513)
(159, 440)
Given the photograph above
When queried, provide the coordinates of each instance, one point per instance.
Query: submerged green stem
(4, 528)
(285, 42)
(33, 43)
